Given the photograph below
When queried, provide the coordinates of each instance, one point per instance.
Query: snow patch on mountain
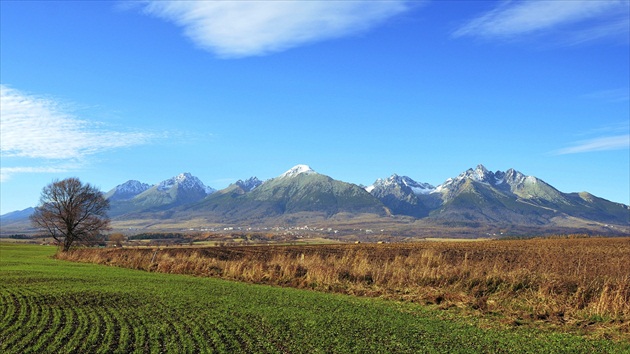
(132, 187)
(442, 188)
(422, 190)
(297, 170)
(531, 179)
(512, 178)
(127, 190)
(249, 184)
(185, 181)
(416, 187)
(480, 174)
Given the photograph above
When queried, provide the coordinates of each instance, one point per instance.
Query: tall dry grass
(564, 281)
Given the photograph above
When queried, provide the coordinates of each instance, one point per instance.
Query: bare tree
(71, 212)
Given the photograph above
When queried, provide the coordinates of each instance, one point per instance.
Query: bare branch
(71, 212)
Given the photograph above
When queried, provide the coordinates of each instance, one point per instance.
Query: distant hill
(16, 221)
(300, 189)
(18, 216)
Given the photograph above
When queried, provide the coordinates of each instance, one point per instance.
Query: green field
(53, 306)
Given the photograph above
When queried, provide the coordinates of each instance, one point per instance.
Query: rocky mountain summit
(127, 190)
(476, 198)
(249, 184)
(479, 196)
(176, 191)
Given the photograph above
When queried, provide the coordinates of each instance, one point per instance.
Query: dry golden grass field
(574, 284)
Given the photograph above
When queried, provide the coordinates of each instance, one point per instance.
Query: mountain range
(477, 198)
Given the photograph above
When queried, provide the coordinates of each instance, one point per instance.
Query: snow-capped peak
(185, 180)
(127, 190)
(297, 170)
(249, 184)
(513, 177)
(481, 171)
(416, 187)
(479, 174)
(132, 187)
(169, 183)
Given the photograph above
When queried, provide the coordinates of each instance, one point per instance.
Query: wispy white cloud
(7, 172)
(35, 127)
(618, 26)
(617, 142)
(613, 95)
(248, 28)
(595, 19)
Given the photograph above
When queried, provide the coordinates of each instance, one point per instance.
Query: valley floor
(579, 285)
(54, 306)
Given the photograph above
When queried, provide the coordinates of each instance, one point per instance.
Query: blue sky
(359, 90)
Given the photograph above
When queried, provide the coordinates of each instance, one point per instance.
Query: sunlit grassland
(581, 285)
(54, 306)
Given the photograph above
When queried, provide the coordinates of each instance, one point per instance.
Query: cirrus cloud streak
(233, 29)
(39, 128)
(596, 19)
(617, 142)
(7, 172)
